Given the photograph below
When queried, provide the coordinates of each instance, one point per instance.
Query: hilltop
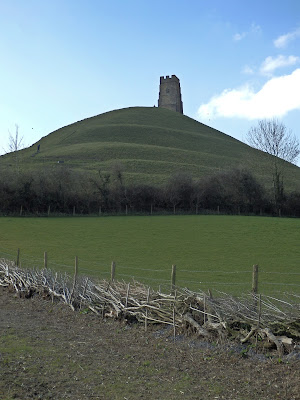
(151, 143)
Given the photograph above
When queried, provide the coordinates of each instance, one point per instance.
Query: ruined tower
(170, 94)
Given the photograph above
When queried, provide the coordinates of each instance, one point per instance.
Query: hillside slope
(151, 143)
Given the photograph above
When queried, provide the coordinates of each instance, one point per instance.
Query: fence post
(146, 312)
(174, 324)
(45, 260)
(74, 210)
(258, 321)
(18, 257)
(21, 211)
(48, 211)
(113, 271)
(75, 278)
(255, 279)
(204, 308)
(76, 267)
(127, 294)
(173, 278)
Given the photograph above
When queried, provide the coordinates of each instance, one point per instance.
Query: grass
(11, 344)
(215, 252)
(151, 143)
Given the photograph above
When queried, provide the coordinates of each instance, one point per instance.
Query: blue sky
(66, 60)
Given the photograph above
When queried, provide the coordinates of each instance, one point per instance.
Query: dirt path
(49, 352)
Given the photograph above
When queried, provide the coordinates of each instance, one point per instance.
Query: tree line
(63, 191)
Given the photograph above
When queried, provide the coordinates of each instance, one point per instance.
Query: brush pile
(262, 321)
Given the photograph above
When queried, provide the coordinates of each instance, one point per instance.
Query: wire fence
(232, 282)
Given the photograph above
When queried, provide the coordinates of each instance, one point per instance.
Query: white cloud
(239, 36)
(248, 70)
(270, 64)
(283, 40)
(256, 29)
(276, 98)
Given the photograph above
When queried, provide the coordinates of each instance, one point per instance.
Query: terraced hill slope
(151, 143)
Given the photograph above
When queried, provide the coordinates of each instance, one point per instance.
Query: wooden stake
(53, 287)
(45, 260)
(18, 258)
(126, 209)
(174, 325)
(7, 270)
(204, 309)
(76, 266)
(146, 312)
(127, 294)
(173, 278)
(84, 290)
(21, 211)
(74, 209)
(259, 310)
(48, 211)
(75, 278)
(255, 279)
(113, 271)
(100, 211)
(258, 321)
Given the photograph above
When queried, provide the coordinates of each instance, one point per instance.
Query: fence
(255, 279)
(247, 318)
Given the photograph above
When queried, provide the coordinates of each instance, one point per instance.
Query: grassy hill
(151, 143)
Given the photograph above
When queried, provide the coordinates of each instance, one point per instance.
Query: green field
(215, 252)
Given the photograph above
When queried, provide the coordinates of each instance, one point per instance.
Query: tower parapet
(170, 93)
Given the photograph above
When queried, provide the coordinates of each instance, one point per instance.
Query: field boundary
(253, 279)
(253, 319)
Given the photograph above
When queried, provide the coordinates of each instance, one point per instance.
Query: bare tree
(272, 137)
(179, 190)
(101, 186)
(15, 143)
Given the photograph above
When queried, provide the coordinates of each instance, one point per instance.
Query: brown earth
(47, 351)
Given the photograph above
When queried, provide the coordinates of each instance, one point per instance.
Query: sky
(66, 60)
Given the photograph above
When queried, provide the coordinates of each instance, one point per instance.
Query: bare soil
(47, 351)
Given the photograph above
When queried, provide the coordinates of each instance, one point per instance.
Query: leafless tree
(15, 143)
(179, 190)
(272, 137)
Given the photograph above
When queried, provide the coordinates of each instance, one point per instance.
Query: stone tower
(170, 93)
